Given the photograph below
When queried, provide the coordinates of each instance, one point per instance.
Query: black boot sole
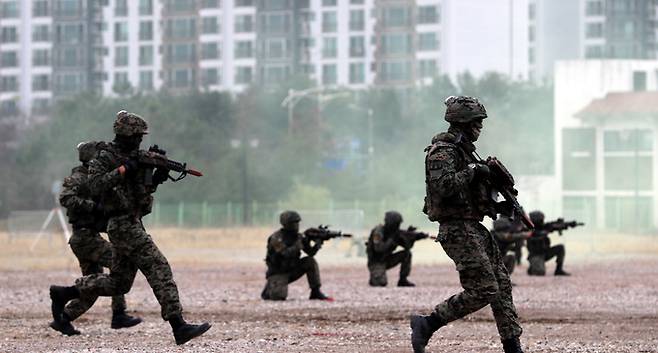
(193, 334)
(134, 322)
(418, 344)
(58, 327)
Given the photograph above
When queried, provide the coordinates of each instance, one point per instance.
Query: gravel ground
(606, 306)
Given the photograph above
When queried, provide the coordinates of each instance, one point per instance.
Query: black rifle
(502, 181)
(561, 225)
(408, 237)
(156, 158)
(323, 233)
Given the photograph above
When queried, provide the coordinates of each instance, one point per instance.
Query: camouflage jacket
(77, 199)
(381, 244)
(451, 193)
(539, 242)
(119, 194)
(285, 249)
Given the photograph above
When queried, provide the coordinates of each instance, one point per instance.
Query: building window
(209, 77)
(329, 48)
(428, 14)
(274, 23)
(8, 108)
(69, 33)
(9, 9)
(68, 83)
(41, 57)
(427, 41)
(209, 25)
(532, 11)
(329, 2)
(181, 53)
(357, 73)
(8, 35)
(244, 24)
(396, 43)
(276, 48)
(146, 30)
(40, 8)
(531, 55)
(356, 2)
(594, 8)
(275, 73)
(8, 59)
(146, 80)
(329, 74)
(121, 8)
(8, 84)
(145, 7)
(121, 31)
(639, 81)
(41, 33)
(121, 56)
(210, 4)
(121, 82)
(209, 50)
(427, 68)
(531, 33)
(145, 55)
(357, 47)
(69, 57)
(593, 52)
(181, 28)
(594, 30)
(40, 83)
(244, 49)
(244, 3)
(578, 159)
(628, 212)
(357, 20)
(243, 75)
(329, 22)
(40, 105)
(397, 17)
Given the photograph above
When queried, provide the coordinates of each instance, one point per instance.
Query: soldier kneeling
(383, 241)
(284, 264)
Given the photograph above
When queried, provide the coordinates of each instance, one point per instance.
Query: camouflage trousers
(482, 275)
(277, 283)
(134, 250)
(378, 269)
(93, 253)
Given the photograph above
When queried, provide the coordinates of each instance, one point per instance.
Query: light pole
(243, 145)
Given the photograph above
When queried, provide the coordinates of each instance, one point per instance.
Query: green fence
(229, 214)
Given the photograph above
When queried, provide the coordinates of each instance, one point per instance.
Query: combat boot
(60, 296)
(422, 329)
(318, 295)
(512, 345)
(561, 272)
(265, 295)
(403, 282)
(122, 320)
(184, 332)
(63, 325)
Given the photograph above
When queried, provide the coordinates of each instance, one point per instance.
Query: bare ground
(606, 306)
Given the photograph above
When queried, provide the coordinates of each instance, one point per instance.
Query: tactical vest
(471, 203)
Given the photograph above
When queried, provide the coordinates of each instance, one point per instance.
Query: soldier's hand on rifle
(481, 170)
(129, 168)
(160, 176)
(505, 208)
(411, 229)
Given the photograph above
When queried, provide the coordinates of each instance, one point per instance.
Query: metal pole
(291, 106)
(245, 185)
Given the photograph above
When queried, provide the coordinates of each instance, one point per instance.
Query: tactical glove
(482, 172)
(160, 176)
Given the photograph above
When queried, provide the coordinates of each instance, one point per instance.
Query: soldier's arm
(443, 175)
(70, 198)
(279, 247)
(381, 245)
(103, 175)
(309, 249)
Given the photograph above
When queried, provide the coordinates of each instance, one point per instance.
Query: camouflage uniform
(381, 257)
(540, 249)
(285, 266)
(126, 200)
(458, 200)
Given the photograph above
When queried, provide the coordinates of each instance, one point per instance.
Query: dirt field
(610, 304)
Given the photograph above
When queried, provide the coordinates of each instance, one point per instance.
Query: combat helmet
(87, 151)
(463, 109)
(129, 124)
(392, 218)
(289, 217)
(537, 217)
